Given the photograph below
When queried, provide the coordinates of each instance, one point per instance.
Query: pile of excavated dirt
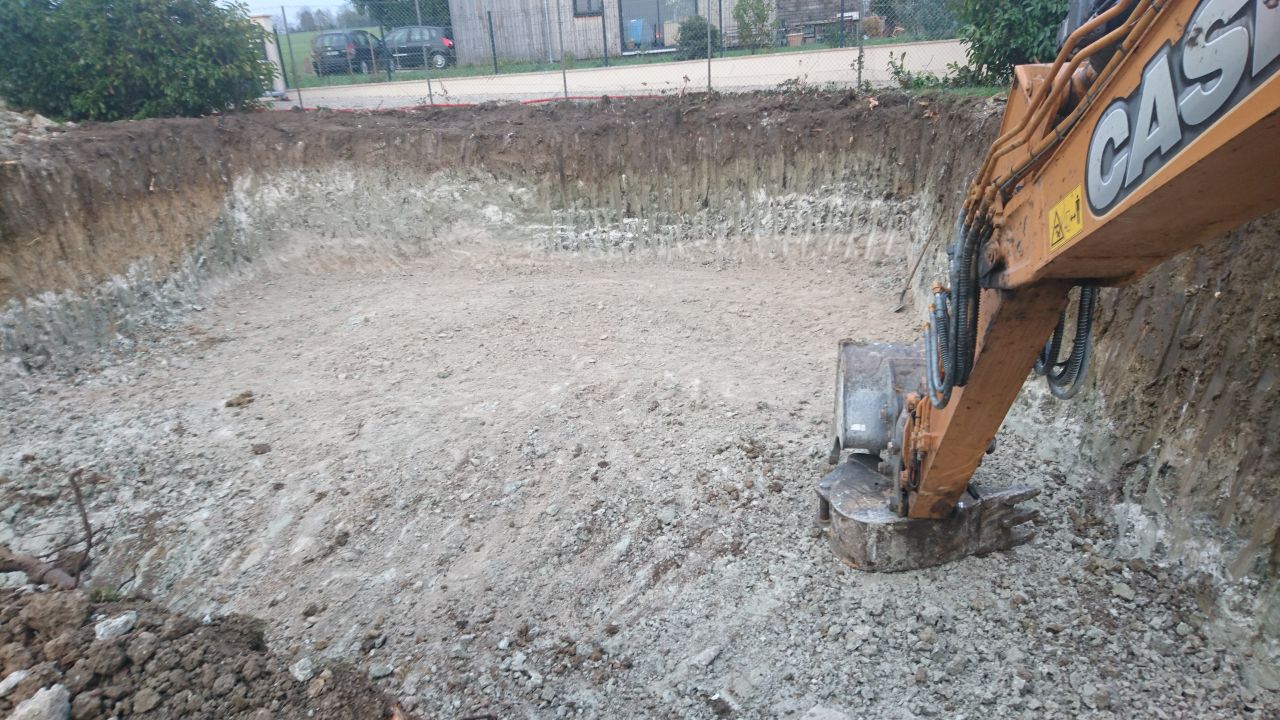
(64, 656)
(16, 127)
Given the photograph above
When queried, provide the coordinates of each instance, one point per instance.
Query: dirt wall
(82, 208)
(112, 226)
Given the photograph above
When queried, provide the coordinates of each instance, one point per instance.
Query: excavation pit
(519, 412)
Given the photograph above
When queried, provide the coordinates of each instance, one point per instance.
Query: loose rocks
(143, 661)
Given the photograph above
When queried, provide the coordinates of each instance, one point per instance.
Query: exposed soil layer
(1188, 370)
(83, 208)
(520, 409)
(134, 659)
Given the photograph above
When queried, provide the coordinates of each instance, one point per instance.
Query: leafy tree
(115, 59)
(999, 34)
(323, 20)
(348, 17)
(693, 37)
(396, 13)
(755, 27)
(306, 20)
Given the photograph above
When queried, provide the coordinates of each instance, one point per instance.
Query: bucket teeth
(865, 533)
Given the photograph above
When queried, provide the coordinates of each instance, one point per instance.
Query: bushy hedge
(116, 59)
(693, 38)
(999, 34)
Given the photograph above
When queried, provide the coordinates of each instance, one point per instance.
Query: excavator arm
(1157, 128)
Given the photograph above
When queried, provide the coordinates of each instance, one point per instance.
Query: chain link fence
(395, 53)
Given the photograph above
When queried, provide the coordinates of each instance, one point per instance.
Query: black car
(348, 51)
(408, 44)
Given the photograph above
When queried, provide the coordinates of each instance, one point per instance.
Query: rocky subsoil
(20, 127)
(509, 482)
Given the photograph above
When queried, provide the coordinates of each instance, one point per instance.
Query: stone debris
(18, 127)
(116, 626)
(302, 670)
(141, 659)
(241, 400)
(1123, 591)
(12, 680)
(52, 703)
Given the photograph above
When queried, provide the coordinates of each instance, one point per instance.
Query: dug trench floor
(519, 484)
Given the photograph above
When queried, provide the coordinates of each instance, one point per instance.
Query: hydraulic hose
(952, 330)
(937, 351)
(1051, 349)
(1066, 378)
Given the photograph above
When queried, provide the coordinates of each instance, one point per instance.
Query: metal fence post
(284, 73)
(493, 46)
(426, 70)
(720, 16)
(862, 46)
(708, 46)
(546, 31)
(284, 17)
(604, 34)
(564, 75)
(841, 23)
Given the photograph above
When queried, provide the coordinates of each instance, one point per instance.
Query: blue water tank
(636, 31)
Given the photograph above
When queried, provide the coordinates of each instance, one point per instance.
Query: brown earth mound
(134, 659)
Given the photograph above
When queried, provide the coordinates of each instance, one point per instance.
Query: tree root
(41, 572)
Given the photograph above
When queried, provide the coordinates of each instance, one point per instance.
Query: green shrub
(116, 59)
(999, 34)
(755, 27)
(693, 38)
(913, 19)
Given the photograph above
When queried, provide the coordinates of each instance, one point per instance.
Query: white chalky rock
(9, 683)
(303, 669)
(116, 626)
(51, 703)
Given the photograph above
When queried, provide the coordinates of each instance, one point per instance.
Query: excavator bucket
(859, 500)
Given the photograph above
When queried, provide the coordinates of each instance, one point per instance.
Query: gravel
(565, 525)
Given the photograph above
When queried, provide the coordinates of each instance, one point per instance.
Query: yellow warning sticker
(1066, 219)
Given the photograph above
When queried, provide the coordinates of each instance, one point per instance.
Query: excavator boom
(1157, 128)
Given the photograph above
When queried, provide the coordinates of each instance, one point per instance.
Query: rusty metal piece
(867, 534)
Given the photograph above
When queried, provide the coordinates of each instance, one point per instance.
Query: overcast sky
(261, 7)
